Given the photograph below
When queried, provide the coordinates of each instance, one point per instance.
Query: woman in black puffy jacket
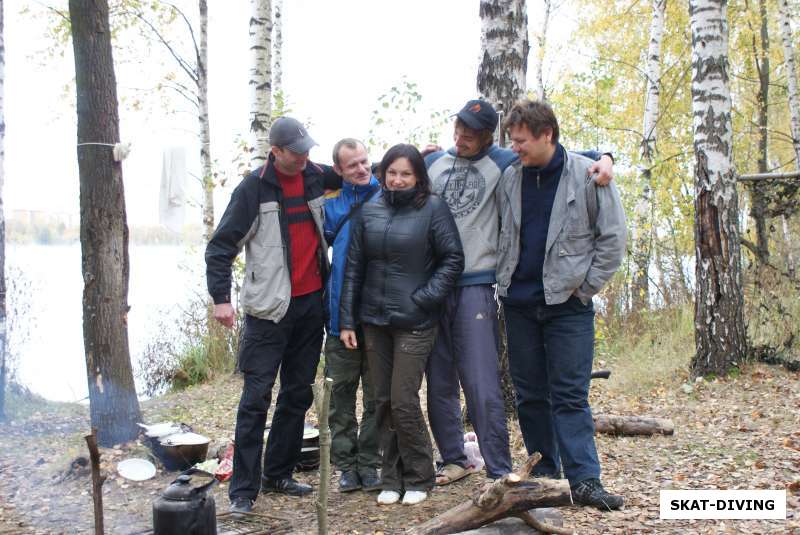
(405, 256)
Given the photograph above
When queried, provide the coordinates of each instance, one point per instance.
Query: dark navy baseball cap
(479, 115)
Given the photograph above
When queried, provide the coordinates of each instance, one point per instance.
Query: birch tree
(201, 76)
(260, 79)
(3, 322)
(504, 52)
(541, 39)
(277, 47)
(642, 229)
(501, 81)
(785, 23)
(719, 325)
(114, 408)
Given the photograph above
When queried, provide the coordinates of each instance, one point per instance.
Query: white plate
(136, 469)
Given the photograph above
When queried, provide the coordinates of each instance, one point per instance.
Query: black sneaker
(241, 505)
(370, 479)
(591, 492)
(288, 486)
(349, 481)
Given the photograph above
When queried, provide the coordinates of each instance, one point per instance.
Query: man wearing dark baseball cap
(288, 133)
(478, 115)
(470, 177)
(276, 215)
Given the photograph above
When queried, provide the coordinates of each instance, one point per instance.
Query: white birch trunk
(791, 265)
(277, 47)
(719, 326)
(260, 79)
(501, 81)
(785, 23)
(2, 222)
(540, 53)
(642, 228)
(504, 52)
(205, 128)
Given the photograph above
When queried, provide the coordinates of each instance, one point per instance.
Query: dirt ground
(737, 433)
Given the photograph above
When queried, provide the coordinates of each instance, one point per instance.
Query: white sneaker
(413, 497)
(388, 497)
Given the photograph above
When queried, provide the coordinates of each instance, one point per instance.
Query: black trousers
(397, 361)
(292, 345)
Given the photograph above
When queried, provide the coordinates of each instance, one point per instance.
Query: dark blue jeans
(550, 353)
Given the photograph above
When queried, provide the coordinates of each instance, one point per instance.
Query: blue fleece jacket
(337, 205)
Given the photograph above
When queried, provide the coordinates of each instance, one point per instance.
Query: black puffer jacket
(402, 263)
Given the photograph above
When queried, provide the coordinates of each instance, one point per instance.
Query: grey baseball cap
(288, 133)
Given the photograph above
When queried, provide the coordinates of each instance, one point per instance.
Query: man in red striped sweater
(276, 214)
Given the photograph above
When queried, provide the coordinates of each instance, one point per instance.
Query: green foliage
(194, 351)
(399, 118)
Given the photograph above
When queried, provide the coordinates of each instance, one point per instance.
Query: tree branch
(186, 66)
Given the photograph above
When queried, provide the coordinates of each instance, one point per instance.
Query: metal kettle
(185, 507)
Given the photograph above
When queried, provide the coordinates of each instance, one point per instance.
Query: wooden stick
(323, 404)
(511, 495)
(97, 481)
(768, 176)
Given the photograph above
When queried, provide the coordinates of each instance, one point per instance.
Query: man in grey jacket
(565, 241)
(472, 177)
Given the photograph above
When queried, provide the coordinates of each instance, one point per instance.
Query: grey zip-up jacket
(256, 220)
(580, 258)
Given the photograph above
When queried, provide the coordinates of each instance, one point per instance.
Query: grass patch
(22, 404)
(647, 350)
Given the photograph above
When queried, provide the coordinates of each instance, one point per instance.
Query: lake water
(51, 357)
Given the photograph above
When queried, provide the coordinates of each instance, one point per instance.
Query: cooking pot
(183, 450)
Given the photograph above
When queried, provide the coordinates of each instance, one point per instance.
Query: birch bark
(540, 53)
(785, 23)
(260, 79)
(642, 228)
(504, 52)
(719, 326)
(205, 127)
(277, 47)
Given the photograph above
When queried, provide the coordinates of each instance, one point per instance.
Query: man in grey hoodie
(469, 177)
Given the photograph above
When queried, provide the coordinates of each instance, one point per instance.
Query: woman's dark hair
(411, 153)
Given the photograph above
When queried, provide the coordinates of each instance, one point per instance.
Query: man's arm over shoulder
(611, 234)
(603, 165)
(237, 225)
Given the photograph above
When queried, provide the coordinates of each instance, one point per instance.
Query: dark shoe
(349, 481)
(241, 505)
(370, 479)
(288, 486)
(591, 492)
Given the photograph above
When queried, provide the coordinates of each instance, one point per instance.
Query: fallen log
(632, 425)
(513, 495)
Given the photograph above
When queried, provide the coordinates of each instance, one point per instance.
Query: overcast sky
(339, 57)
